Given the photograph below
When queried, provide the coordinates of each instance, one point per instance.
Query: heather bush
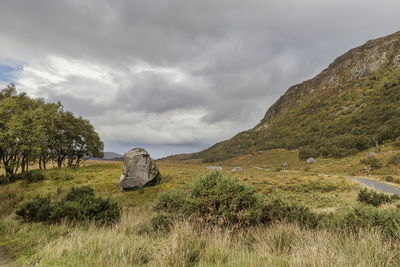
(214, 199)
(371, 197)
(222, 200)
(80, 205)
(368, 217)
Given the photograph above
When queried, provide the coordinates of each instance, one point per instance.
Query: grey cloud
(239, 56)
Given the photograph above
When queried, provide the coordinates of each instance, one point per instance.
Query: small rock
(214, 168)
(237, 169)
(371, 154)
(311, 160)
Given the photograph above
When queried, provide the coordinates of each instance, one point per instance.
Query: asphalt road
(377, 185)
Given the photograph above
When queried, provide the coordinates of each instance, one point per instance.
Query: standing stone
(139, 170)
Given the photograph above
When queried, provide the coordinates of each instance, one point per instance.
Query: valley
(323, 186)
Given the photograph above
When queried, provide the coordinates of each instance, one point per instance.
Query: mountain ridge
(364, 72)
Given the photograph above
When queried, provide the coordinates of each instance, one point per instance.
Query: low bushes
(371, 197)
(277, 210)
(214, 199)
(79, 205)
(32, 176)
(372, 162)
(225, 201)
(367, 217)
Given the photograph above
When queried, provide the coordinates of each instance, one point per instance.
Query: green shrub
(225, 201)
(277, 210)
(37, 210)
(9, 199)
(171, 201)
(372, 162)
(86, 209)
(157, 223)
(33, 176)
(389, 179)
(214, 199)
(80, 205)
(371, 197)
(394, 160)
(386, 220)
(79, 193)
(307, 152)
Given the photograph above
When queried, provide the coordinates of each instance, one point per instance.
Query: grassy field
(322, 186)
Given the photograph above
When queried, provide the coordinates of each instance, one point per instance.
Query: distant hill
(112, 156)
(350, 106)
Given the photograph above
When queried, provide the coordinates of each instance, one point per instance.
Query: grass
(193, 245)
(322, 186)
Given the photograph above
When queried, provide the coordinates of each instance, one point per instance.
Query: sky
(177, 76)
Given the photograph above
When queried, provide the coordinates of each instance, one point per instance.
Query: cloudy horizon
(177, 76)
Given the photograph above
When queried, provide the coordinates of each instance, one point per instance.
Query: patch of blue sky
(7, 72)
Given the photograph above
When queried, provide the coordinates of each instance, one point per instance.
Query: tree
(34, 131)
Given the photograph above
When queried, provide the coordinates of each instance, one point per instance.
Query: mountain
(350, 106)
(111, 156)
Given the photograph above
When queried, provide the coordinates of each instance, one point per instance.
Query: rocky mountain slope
(350, 106)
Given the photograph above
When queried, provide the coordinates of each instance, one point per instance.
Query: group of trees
(33, 131)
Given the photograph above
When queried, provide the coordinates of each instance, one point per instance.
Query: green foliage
(386, 220)
(371, 197)
(157, 223)
(389, 179)
(214, 199)
(277, 210)
(171, 201)
(78, 193)
(394, 160)
(307, 152)
(9, 200)
(225, 201)
(34, 131)
(372, 162)
(79, 205)
(37, 210)
(33, 176)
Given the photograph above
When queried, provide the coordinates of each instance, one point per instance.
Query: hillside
(349, 107)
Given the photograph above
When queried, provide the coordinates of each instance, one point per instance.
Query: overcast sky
(177, 76)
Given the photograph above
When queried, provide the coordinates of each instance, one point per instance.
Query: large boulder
(138, 170)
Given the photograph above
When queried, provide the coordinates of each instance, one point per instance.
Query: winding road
(377, 185)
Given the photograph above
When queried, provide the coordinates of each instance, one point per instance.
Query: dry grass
(322, 186)
(194, 245)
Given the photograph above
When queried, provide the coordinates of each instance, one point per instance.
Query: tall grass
(189, 244)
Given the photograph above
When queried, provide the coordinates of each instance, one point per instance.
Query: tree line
(33, 131)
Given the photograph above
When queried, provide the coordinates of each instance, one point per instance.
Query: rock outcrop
(138, 170)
